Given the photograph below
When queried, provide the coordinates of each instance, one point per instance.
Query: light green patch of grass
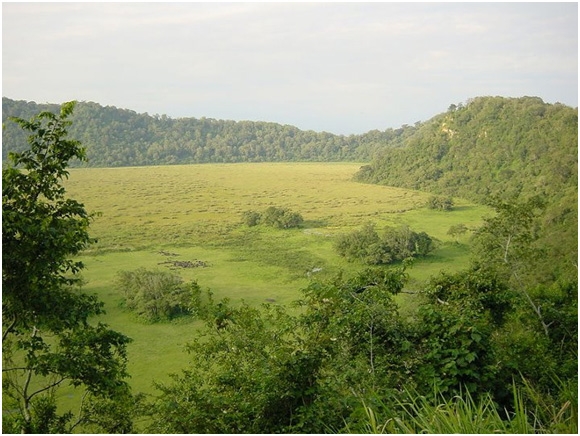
(190, 204)
(447, 257)
(437, 223)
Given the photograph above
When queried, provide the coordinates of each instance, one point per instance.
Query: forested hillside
(120, 137)
(496, 146)
(490, 145)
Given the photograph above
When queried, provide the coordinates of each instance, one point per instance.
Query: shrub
(440, 203)
(457, 230)
(363, 244)
(158, 295)
(277, 217)
(282, 218)
(251, 218)
(396, 244)
(404, 242)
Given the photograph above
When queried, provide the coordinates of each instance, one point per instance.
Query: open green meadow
(172, 216)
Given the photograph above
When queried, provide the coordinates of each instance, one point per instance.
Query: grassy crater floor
(188, 219)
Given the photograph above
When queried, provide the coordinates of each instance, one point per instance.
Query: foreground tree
(505, 244)
(47, 340)
(268, 371)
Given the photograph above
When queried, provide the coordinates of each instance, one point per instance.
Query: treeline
(118, 137)
(512, 147)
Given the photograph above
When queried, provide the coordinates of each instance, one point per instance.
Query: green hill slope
(494, 145)
(491, 145)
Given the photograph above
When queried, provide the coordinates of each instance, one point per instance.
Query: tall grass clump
(411, 413)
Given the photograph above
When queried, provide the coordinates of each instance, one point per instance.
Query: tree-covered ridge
(511, 147)
(490, 145)
(120, 137)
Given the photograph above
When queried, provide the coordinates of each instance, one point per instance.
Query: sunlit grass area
(148, 206)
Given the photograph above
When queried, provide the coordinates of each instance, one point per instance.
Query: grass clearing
(193, 212)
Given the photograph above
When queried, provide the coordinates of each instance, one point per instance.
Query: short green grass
(194, 213)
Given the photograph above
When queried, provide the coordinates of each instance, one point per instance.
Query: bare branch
(80, 417)
(8, 329)
(46, 388)
(17, 368)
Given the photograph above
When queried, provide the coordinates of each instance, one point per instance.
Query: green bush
(395, 244)
(277, 217)
(158, 295)
(457, 230)
(251, 218)
(440, 203)
(363, 244)
(281, 218)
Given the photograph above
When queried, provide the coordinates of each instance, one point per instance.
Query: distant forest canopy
(120, 137)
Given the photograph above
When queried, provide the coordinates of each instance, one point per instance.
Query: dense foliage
(490, 145)
(350, 351)
(439, 202)
(395, 244)
(47, 340)
(277, 217)
(158, 295)
(267, 371)
(119, 137)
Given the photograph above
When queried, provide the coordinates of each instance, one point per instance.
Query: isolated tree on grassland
(457, 230)
(251, 218)
(281, 218)
(47, 340)
(156, 295)
(278, 217)
(363, 244)
(405, 243)
(395, 244)
(438, 202)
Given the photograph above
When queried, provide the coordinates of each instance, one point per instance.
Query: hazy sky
(338, 67)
